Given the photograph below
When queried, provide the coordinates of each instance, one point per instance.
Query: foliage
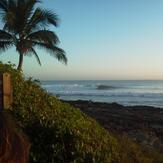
(25, 27)
(57, 131)
(60, 133)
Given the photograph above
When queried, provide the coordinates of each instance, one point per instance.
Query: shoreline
(143, 124)
(113, 104)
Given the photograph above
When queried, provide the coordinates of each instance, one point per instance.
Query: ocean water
(127, 93)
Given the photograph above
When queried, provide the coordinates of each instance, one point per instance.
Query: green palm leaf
(40, 19)
(3, 5)
(54, 51)
(4, 45)
(5, 35)
(32, 52)
(24, 26)
(44, 36)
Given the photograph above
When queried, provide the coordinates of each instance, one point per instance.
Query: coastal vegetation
(25, 27)
(59, 132)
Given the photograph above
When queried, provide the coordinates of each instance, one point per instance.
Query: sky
(103, 40)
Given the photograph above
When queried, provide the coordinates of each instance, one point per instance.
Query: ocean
(125, 92)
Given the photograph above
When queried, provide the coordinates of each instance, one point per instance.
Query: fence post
(6, 96)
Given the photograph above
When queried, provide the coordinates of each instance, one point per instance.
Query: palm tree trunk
(20, 61)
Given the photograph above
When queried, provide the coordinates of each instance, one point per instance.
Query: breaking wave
(105, 87)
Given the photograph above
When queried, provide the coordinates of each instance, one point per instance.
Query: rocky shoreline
(143, 124)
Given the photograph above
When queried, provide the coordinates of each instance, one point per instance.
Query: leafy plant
(61, 133)
(25, 27)
(57, 131)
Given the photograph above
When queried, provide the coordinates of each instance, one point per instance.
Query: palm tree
(25, 28)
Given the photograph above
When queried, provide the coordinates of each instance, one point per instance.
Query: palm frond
(4, 45)
(5, 10)
(29, 7)
(36, 56)
(3, 5)
(55, 51)
(5, 35)
(44, 36)
(41, 18)
(31, 52)
(59, 54)
(10, 16)
(24, 26)
(51, 17)
(31, 3)
(18, 13)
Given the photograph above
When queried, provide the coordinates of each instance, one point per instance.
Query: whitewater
(125, 92)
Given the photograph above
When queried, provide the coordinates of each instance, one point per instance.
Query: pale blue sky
(104, 39)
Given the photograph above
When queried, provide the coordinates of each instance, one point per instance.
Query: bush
(57, 131)
(61, 133)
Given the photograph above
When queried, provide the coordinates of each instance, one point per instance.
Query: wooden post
(1, 92)
(6, 97)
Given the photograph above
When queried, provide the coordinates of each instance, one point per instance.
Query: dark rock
(141, 123)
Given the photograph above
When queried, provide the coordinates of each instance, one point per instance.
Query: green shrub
(57, 131)
(62, 134)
